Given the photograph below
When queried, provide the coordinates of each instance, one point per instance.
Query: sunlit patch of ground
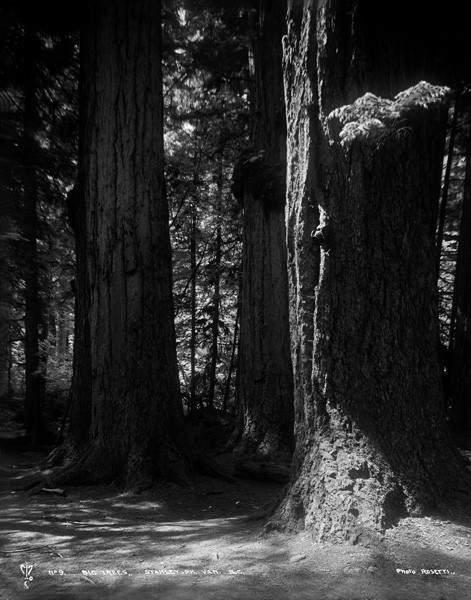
(99, 543)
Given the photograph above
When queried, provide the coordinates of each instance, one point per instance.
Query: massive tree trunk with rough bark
(363, 185)
(264, 390)
(130, 392)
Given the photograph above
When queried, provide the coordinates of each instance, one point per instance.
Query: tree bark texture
(136, 418)
(371, 438)
(460, 379)
(264, 382)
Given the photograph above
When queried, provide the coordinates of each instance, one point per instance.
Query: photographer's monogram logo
(27, 570)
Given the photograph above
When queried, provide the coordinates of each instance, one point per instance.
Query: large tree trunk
(460, 380)
(371, 439)
(136, 424)
(264, 381)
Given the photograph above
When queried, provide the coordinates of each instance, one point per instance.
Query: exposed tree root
(60, 468)
(73, 472)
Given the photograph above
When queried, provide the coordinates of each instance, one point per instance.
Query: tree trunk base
(345, 491)
(64, 467)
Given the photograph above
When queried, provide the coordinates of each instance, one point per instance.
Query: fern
(370, 115)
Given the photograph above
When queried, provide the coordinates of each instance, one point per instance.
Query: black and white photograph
(235, 300)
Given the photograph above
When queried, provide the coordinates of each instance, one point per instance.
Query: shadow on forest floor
(168, 544)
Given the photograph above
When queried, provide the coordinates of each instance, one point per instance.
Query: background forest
(240, 229)
(206, 118)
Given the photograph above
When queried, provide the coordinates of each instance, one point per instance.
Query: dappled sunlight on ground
(168, 544)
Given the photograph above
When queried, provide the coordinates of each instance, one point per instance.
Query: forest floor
(100, 543)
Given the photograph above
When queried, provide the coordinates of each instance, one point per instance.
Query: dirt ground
(99, 543)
